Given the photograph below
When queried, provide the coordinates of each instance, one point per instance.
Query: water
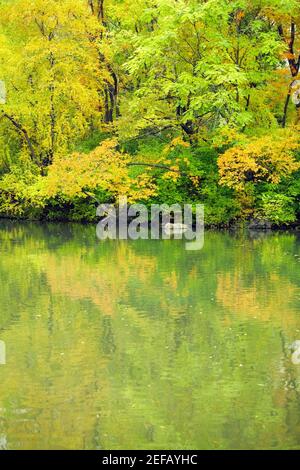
(143, 345)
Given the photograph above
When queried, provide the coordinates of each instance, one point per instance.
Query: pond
(144, 345)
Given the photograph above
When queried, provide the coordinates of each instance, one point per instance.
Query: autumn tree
(258, 160)
(286, 17)
(49, 62)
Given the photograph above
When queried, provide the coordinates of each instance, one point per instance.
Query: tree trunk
(294, 63)
(24, 134)
(52, 115)
(285, 110)
(112, 89)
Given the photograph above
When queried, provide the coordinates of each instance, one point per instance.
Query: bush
(277, 208)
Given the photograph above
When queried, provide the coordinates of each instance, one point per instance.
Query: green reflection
(143, 345)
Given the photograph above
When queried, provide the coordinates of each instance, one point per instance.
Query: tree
(286, 17)
(197, 65)
(49, 63)
(103, 169)
(258, 160)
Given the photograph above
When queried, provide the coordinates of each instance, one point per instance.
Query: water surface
(143, 345)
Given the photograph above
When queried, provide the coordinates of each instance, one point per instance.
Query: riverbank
(72, 186)
(237, 225)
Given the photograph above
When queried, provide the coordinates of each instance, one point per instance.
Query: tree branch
(294, 65)
(23, 133)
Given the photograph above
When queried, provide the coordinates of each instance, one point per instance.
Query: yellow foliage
(177, 142)
(50, 64)
(195, 181)
(104, 169)
(269, 158)
(226, 136)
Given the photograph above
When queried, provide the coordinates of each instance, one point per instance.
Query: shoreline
(251, 225)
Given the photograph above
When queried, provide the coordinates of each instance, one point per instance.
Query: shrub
(277, 208)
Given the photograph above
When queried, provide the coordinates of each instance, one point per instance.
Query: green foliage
(221, 206)
(277, 208)
(75, 210)
(16, 195)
